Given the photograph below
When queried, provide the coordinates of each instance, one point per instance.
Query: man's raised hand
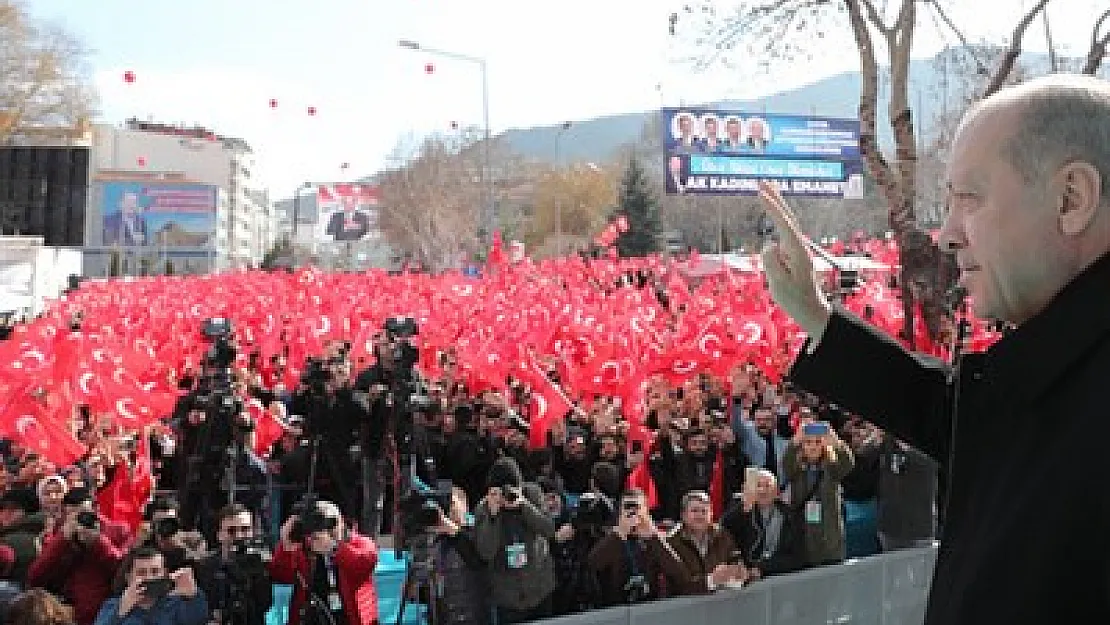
(789, 268)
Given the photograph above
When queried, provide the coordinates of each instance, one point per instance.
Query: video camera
(217, 331)
(251, 551)
(87, 519)
(166, 528)
(593, 515)
(214, 394)
(405, 354)
(422, 507)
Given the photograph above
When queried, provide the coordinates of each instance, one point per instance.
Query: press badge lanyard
(516, 552)
(335, 601)
(813, 506)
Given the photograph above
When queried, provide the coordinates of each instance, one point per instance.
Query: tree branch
(876, 18)
(869, 148)
(1014, 50)
(1098, 46)
(981, 66)
(900, 45)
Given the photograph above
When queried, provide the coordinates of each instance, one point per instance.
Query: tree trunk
(924, 267)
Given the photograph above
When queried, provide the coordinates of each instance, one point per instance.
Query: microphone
(955, 298)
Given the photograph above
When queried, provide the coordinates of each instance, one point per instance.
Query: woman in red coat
(332, 570)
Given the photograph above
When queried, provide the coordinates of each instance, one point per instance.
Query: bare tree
(778, 30)
(44, 84)
(430, 206)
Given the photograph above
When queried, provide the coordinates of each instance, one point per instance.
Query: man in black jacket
(235, 579)
(1029, 225)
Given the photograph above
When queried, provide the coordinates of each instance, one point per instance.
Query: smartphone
(817, 428)
(158, 587)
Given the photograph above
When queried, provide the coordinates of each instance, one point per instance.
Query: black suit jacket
(116, 234)
(1027, 434)
(337, 230)
(747, 530)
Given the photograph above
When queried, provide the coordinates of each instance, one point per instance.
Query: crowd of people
(737, 479)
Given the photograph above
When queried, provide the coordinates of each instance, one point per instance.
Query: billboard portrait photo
(141, 214)
(347, 212)
(726, 152)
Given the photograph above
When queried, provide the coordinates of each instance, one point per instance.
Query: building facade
(208, 208)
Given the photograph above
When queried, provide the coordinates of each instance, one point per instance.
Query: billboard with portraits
(346, 212)
(155, 214)
(727, 152)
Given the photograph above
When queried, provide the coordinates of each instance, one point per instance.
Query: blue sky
(219, 62)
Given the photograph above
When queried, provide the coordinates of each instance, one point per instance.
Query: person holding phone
(81, 556)
(815, 463)
(633, 563)
(150, 595)
(512, 534)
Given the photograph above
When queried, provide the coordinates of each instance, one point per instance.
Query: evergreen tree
(640, 207)
(280, 254)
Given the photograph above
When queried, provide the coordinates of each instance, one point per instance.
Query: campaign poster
(718, 152)
(149, 214)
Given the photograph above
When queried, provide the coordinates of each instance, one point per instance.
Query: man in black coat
(349, 224)
(1024, 539)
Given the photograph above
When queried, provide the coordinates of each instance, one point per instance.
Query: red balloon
(312, 110)
(429, 68)
(141, 161)
(129, 76)
(273, 103)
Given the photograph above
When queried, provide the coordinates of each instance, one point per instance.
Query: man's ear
(1078, 190)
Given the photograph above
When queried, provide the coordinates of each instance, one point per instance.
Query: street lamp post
(558, 198)
(487, 170)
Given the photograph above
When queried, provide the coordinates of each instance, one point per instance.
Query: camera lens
(167, 527)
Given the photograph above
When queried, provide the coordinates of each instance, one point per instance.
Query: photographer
(633, 564)
(332, 568)
(463, 588)
(338, 417)
(162, 531)
(579, 531)
(512, 534)
(235, 579)
(151, 595)
(79, 560)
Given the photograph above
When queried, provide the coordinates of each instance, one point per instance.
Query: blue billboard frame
(727, 152)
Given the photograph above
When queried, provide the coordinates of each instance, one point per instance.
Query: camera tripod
(420, 579)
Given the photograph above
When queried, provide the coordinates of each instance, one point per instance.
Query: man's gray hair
(1062, 118)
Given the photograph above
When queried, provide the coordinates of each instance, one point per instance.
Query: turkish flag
(39, 428)
(548, 404)
(122, 499)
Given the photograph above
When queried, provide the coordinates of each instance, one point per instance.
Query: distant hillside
(937, 90)
(934, 94)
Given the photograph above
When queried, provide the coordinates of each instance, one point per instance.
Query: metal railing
(887, 589)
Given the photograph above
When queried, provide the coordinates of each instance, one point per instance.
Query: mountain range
(939, 89)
